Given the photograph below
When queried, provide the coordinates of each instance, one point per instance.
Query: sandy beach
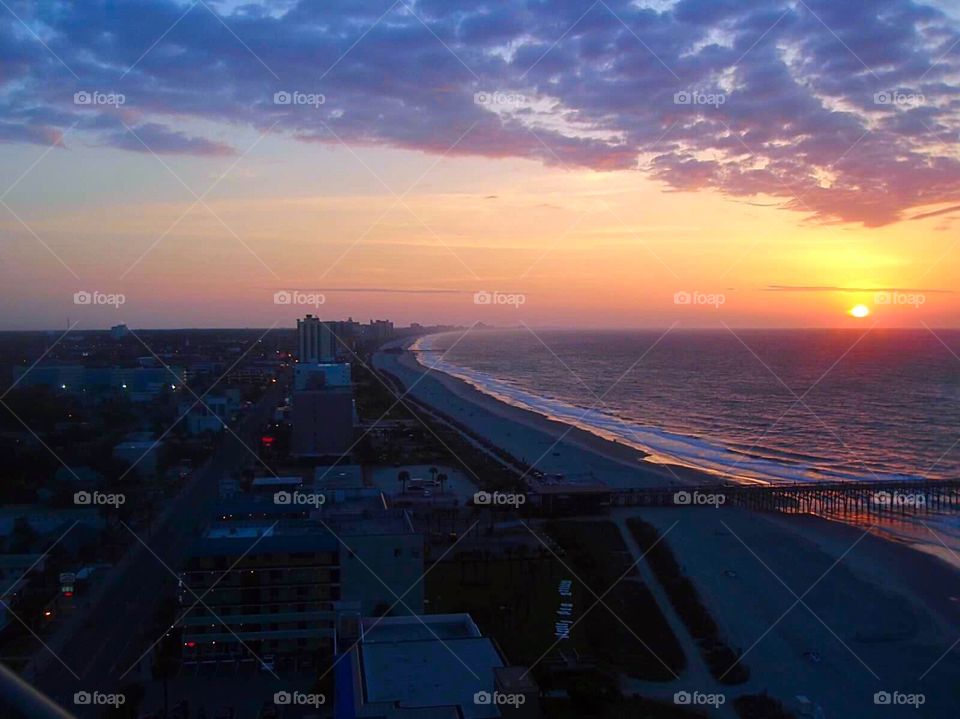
(554, 447)
(821, 609)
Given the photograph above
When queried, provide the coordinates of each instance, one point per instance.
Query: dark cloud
(155, 138)
(844, 111)
(41, 135)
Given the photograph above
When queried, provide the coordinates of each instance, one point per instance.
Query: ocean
(758, 405)
(751, 405)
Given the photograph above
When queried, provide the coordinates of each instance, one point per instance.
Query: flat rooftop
(337, 504)
(292, 535)
(406, 629)
(248, 507)
(277, 481)
(340, 476)
(238, 530)
(431, 673)
(386, 521)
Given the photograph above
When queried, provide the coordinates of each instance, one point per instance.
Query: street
(109, 640)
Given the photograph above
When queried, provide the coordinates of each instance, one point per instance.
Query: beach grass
(722, 660)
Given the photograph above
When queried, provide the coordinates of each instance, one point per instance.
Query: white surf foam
(662, 446)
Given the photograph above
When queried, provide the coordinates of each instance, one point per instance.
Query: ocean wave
(756, 464)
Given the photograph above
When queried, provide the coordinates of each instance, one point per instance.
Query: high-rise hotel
(317, 342)
(323, 413)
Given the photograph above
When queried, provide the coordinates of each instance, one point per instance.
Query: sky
(755, 163)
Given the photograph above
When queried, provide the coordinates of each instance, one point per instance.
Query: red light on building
(266, 440)
(189, 645)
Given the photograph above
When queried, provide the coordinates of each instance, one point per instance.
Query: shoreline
(708, 445)
(882, 599)
(577, 453)
(635, 468)
(624, 464)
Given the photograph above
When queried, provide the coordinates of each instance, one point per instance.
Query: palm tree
(403, 477)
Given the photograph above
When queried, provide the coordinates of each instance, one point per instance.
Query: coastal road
(110, 640)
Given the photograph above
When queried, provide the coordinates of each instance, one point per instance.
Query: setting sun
(859, 311)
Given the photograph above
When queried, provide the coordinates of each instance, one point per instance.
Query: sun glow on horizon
(859, 311)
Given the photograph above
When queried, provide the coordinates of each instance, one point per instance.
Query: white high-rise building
(316, 342)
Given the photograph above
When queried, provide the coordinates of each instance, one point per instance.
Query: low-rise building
(428, 667)
(267, 486)
(212, 414)
(557, 494)
(139, 384)
(323, 413)
(47, 520)
(278, 582)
